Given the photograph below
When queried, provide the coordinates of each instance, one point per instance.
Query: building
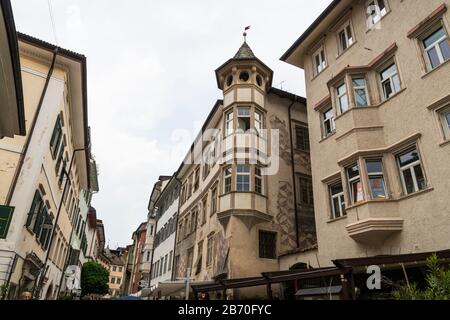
(12, 121)
(243, 203)
(116, 271)
(166, 212)
(379, 118)
(137, 276)
(128, 269)
(39, 169)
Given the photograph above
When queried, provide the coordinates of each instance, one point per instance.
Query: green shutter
(6, 214)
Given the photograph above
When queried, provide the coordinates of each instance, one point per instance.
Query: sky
(151, 80)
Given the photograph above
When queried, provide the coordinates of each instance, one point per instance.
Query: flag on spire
(247, 28)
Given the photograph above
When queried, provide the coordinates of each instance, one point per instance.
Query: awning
(321, 291)
(171, 288)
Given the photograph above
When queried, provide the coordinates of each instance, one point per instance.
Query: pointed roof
(244, 52)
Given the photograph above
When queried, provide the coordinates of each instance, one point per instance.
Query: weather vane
(245, 33)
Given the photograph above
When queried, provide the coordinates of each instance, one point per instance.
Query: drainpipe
(30, 133)
(293, 174)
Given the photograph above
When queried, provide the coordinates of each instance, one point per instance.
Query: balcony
(374, 221)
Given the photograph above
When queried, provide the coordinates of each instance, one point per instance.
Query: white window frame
(319, 64)
(341, 199)
(243, 116)
(349, 41)
(352, 181)
(247, 173)
(365, 88)
(326, 120)
(410, 167)
(258, 123)
(445, 122)
(390, 79)
(339, 96)
(435, 45)
(229, 123)
(225, 177)
(372, 20)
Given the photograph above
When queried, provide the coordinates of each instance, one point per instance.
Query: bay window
(258, 122)
(227, 179)
(243, 178)
(360, 91)
(436, 48)
(342, 97)
(258, 181)
(229, 123)
(390, 81)
(337, 200)
(243, 119)
(376, 179)
(355, 184)
(411, 172)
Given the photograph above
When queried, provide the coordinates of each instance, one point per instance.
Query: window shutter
(6, 214)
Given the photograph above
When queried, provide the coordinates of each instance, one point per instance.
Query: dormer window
(319, 61)
(345, 37)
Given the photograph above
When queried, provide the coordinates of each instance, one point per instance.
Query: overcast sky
(151, 80)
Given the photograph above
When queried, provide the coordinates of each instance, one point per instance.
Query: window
(196, 179)
(114, 269)
(214, 201)
(342, 97)
(204, 209)
(259, 188)
(302, 138)
(118, 280)
(229, 123)
(176, 265)
(199, 258)
(411, 173)
(337, 201)
(319, 61)
(165, 263)
(390, 81)
(57, 136)
(227, 180)
(243, 119)
(306, 191)
(120, 269)
(258, 122)
(376, 179)
(267, 245)
(445, 119)
(36, 207)
(244, 76)
(355, 184)
(328, 122)
(170, 260)
(190, 258)
(376, 9)
(243, 178)
(360, 92)
(437, 48)
(345, 36)
(113, 280)
(209, 250)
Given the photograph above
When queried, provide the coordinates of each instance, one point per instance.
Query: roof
(244, 52)
(12, 43)
(81, 59)
(287, 95)
(310, 29)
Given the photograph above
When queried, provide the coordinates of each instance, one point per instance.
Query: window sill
(445, 143)
(327, 137)
(435, 69)
(390, 98)
(346, 50)
(337, 219)
(418, 193)
(243, 192)
(353, 108)
(318, 74)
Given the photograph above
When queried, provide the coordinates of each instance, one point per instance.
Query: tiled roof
(245, 52)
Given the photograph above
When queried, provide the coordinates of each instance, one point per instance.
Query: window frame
(304, 135)
(247, 173)
(370, 21)
(258, 177)
(227, 187)
(213, 200)
(411, 168)
(229, 123)
(341, 84)
(372, 175)
(209, 250)
(345, 28)
(323, 63)
(352, 182)
(382, 81)
(245, 116)
(341, 200)
(325, 120)
(365, 88)
(444, 119)
(263, 254)
(436, 45)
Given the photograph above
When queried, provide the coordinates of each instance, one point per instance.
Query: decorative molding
(430, 19)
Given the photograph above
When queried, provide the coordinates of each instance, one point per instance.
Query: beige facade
(377, 82)
(237, 205)
(32, 169)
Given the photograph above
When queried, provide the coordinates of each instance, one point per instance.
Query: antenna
(281, 84)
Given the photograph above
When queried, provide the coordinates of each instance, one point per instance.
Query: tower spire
(245, 33)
